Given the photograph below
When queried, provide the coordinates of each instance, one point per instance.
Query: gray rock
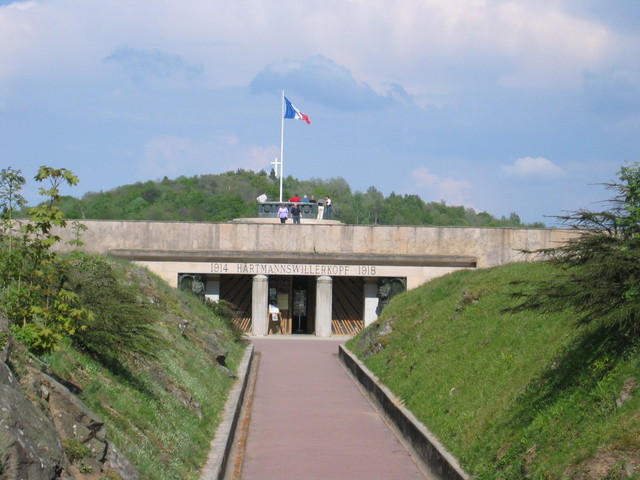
(115, 461)
(373, 339)
(29, 444)
(32, 433)
(74, 420)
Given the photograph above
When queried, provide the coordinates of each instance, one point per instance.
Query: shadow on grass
(546, 403)
(121, 371)
(581, 365)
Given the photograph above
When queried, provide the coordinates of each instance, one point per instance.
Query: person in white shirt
(320, 210)
(327, 208)
(283, 213)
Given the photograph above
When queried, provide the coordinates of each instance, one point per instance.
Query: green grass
(161, 413)
(511, 394)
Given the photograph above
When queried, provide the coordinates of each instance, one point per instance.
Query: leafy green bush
(226, 311)
(123, 323)
(111, 475)
(25, 334)
(598, 273)
(31, 297)
(230, 195)
(75, 450)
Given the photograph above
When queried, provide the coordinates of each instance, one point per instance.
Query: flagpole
(282, 147)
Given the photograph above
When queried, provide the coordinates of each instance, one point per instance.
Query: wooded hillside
(223, 197)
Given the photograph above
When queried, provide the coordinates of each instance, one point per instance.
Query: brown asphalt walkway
(310, 421)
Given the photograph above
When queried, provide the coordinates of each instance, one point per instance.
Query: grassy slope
(511, 395)
(161, 413)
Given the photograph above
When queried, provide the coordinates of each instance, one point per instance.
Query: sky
(524, 106)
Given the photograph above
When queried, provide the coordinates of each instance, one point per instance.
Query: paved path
(310, 421)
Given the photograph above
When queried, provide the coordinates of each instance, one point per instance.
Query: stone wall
(490, 246)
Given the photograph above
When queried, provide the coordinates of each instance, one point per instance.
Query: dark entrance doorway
(294, 298)
(304, 304)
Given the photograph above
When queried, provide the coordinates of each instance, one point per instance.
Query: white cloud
(167, 156)
(528, 44)
(173, 156)
(423, 178)
(259, 158)
(153, 64)
(548, 47)
(529, 167)
(322, 80)
(452, 191)
(531, 43)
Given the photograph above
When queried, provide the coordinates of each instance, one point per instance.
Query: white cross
(275, 163)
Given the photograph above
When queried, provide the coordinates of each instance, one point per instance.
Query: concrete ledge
(148, 254)
(216, 465)
(435, 459)
(304, 220)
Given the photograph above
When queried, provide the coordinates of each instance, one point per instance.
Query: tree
(11, 201)
(599, 270)
(373, 202)
(40, 310)
(11, 183)
(203, 198)
(403, 210)
(122, 324)
(357, 208)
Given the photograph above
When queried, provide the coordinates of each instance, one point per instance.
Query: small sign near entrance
(300, 303)
(283, 301)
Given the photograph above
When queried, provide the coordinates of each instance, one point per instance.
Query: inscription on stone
(293, 269)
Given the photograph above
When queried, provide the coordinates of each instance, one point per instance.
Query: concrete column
(370, 300)
(212, 288)
(259, 305)
(324, 297)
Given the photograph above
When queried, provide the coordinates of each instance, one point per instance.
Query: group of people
(324, 207)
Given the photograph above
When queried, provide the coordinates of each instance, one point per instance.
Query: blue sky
(498, 105)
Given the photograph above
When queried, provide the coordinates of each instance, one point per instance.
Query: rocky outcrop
(36, 427)
(30, 447)
(374, 339)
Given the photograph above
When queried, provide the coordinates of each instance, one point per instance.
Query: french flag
(292, 112)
